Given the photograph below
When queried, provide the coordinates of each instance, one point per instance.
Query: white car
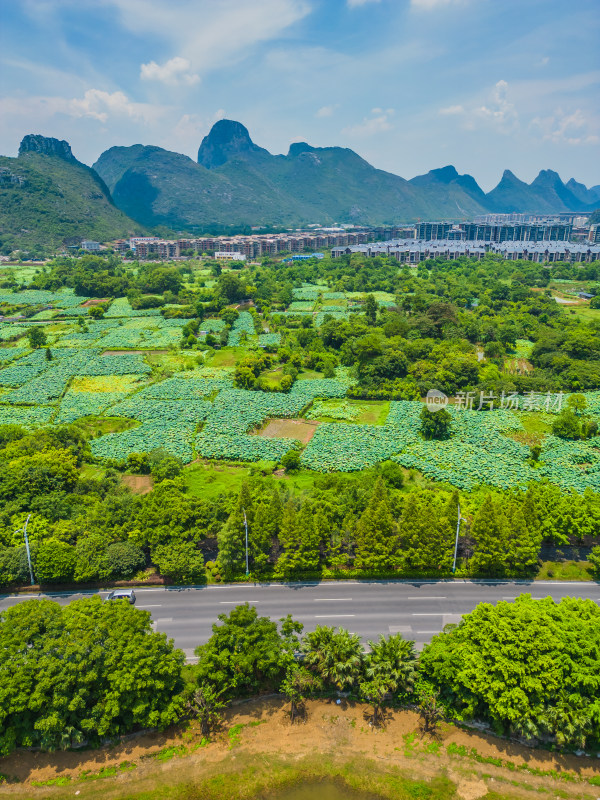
(122, 594)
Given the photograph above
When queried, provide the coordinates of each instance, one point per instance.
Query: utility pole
(460, 519)
(27, 549)
(246, 527)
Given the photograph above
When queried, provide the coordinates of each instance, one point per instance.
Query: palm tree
(334, 655)
(394, 660)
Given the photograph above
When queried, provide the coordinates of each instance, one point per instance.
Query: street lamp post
(460, 519)
(27, 549)
(246, 527)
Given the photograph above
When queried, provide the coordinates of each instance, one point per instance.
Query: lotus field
(197, 411)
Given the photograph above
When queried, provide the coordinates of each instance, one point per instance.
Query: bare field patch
(95, 301)
(333, 739)
(139, 484)
(300, 429)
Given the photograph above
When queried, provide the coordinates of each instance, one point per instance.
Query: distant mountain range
(236, 183)
(48, 198)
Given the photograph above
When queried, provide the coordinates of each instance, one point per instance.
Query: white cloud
(101, 105)
(188, 132)
(568, 128)
(452, 110)
(429, 5)
(358, 3)
(497, 112)
(326, 111)
(95, 104)
(174, 72)
(371, 126)
(208, 34)
(501, 113)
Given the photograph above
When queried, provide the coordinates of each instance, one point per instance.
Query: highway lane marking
(163, 620)
(152, 605)
(428, 614)
(235, 602)
(332, 616)
(417, 597)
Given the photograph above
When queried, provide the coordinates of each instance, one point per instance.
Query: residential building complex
(494, 232)
(491, 229)
(409, 251)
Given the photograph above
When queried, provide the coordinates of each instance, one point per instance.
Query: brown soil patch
(95, 301)
(337, 732)
(139, 484)
(300, 429)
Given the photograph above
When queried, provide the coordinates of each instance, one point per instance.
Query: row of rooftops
(409, 249)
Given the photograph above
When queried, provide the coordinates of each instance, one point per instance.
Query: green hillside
(253, 187)
(237, 183)
(49, 199)
(156, 186)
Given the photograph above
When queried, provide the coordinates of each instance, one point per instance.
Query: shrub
(54, 562)
(123, 559)
(291, 461)
(180, 561)
(594, 559)
(139, 463)
(567, 426)
(13, 565)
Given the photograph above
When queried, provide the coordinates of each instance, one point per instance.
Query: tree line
(443, 312)
(84, 529)
(93, 671)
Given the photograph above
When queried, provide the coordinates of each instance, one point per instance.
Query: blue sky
(408, 84)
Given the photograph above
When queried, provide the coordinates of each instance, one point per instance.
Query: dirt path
(260, 730)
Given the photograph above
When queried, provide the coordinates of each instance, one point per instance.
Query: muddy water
(320, 790)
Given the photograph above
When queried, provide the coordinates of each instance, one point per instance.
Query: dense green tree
(123, 559)
(54, 562)
(180, 561)
(14, 567)
(577, 403)
(567, 426)
(232, 536)
(264, 529)
(83, 672)
(89, 558)
(504, 545)
(376, 535)
(370, 309)
(245, 652)
(529, 668)
(435, 424)
(291, 461)
(427, 532)
(300, 539)
(37, 337)
(593, 558)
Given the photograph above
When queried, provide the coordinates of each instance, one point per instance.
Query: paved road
(418, 610)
